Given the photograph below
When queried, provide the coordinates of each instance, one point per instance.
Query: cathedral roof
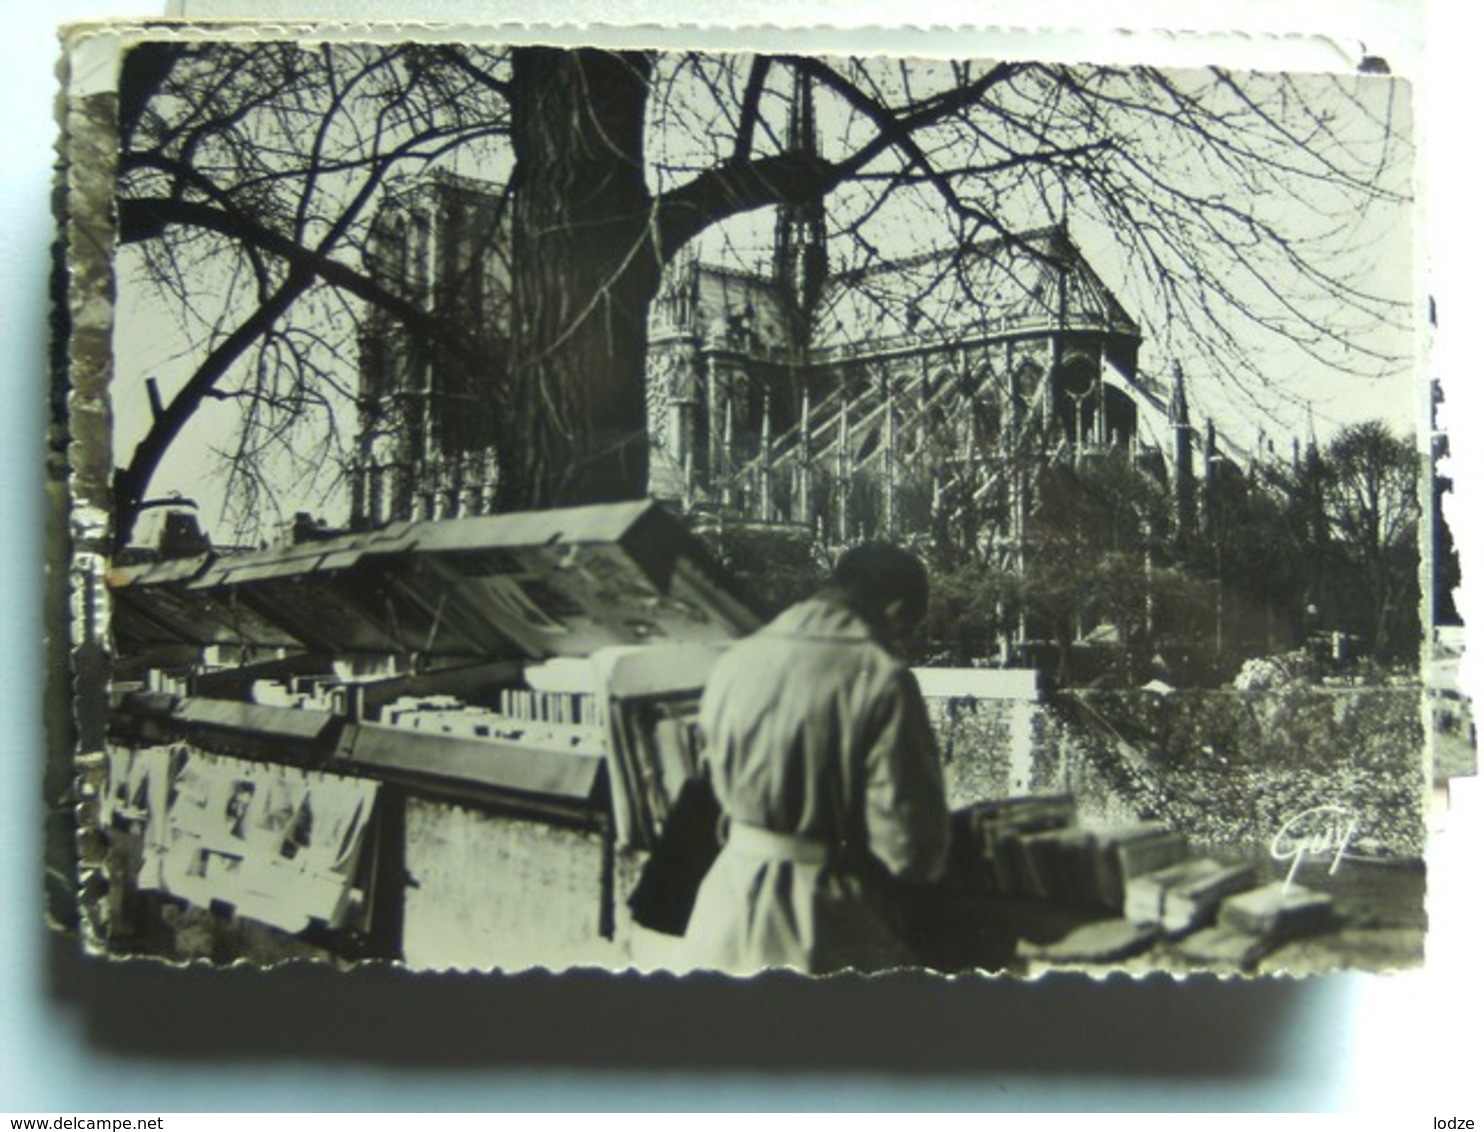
(1033, 281)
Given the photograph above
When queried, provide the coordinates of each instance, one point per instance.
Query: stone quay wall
(1226, 767)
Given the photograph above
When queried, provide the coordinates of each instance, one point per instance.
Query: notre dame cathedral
(927, 399)
(858, 404)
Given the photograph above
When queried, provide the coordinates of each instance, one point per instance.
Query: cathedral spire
(1179, 406)
(800, 256)
(1311, 450)
(1179, 411)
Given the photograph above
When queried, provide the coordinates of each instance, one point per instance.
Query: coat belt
(759, 842)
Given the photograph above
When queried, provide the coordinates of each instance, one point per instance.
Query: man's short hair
(875, 574)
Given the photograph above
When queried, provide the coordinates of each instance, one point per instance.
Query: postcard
(540, 504)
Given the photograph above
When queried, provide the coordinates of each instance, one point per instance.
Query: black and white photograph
(593, 507)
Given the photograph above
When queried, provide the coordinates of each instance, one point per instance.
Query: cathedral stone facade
(902, 395)
(941, 400)
(864, 404)
(425, 446)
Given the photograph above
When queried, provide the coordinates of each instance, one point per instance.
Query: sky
(1291, 395)
(1370, 249)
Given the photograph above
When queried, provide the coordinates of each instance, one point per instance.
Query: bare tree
(1371, 493)
(1236, 201)
(248, 176)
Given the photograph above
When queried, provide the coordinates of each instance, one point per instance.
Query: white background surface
(85, 1036)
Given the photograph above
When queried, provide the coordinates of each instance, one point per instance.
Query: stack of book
(1185, 895)
(1253, 923)
(994, 831)
(1123, 855)
(1032, 846)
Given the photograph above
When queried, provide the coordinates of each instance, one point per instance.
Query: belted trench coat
(821, 755)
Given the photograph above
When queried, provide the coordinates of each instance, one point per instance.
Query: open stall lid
(154, 604)
(526, 585)
(506, 767)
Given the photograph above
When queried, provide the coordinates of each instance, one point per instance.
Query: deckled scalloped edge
(79, 498)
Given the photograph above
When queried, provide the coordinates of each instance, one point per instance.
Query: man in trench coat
(821, 755)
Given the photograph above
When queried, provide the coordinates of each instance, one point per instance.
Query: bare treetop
(1252, 222)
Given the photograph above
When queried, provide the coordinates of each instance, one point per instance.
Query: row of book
(578, 708)
(447, 715)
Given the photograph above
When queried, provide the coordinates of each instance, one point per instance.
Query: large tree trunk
(585, 270)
